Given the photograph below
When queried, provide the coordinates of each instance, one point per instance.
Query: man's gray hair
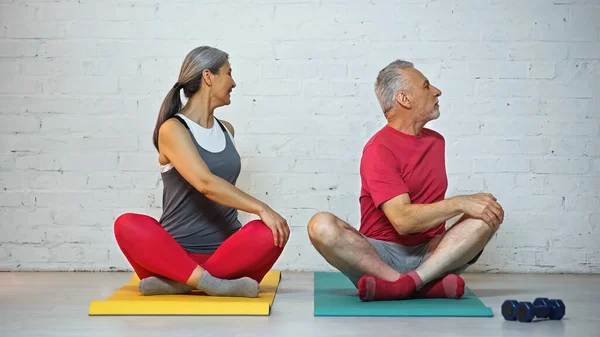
(389, 81)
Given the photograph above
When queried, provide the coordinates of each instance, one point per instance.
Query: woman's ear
(207, 76)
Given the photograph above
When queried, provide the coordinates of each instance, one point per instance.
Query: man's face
(423, 96)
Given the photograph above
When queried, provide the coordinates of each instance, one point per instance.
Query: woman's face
(223, 84)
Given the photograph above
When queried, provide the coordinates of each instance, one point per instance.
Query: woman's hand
(277, 224)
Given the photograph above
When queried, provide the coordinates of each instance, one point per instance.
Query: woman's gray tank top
(197, 223)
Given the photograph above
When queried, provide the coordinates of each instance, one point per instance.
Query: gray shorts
(406, 258)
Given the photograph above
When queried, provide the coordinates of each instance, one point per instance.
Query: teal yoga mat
(335, 295)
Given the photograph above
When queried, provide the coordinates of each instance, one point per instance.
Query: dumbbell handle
(541, 310)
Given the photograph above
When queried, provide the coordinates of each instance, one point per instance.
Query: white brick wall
(82, 82)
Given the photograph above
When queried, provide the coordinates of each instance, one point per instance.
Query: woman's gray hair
(389, 81)
(190, 80)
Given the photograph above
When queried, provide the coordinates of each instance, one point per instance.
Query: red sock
(374, 289)
(451, 286)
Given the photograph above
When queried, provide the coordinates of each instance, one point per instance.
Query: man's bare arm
(408, 218)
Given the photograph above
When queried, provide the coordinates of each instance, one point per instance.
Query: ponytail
(170, 106)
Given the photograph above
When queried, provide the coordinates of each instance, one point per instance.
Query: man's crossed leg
(430, 270)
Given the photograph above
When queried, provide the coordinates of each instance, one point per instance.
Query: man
(403, 249)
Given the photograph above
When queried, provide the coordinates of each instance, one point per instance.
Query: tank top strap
(225, 131)
(221, 124)
(182, 121)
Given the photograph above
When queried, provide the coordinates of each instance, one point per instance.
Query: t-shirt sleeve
(379, 171)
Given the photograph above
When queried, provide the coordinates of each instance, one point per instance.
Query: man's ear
(403, 99)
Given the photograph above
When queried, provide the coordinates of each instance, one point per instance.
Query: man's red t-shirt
(394, 163)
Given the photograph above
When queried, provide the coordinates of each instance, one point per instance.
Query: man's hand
(483, 206)
(277, 224)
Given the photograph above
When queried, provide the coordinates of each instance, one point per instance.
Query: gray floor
(56, 304)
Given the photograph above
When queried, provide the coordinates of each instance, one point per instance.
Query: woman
(197, 243)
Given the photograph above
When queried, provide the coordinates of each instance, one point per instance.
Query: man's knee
(482, 229)
(323, 227)
(480, 223)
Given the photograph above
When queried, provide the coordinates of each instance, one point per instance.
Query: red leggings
(152, 251)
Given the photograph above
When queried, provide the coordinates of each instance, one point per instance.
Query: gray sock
(163, 286)
(242, 287)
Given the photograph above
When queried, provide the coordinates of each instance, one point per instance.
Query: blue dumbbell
(509, 310)
(525, 311)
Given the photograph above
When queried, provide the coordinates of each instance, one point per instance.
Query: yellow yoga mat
(129, 301)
